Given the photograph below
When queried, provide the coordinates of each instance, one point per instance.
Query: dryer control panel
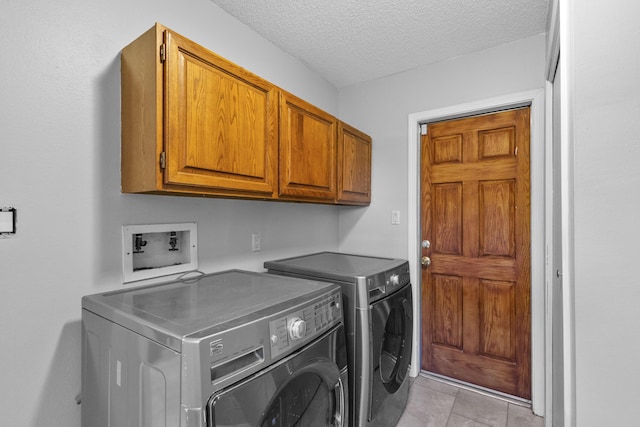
(300, 326)
(397, 278)
(387, 282)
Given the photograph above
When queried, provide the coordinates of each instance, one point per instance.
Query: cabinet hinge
(163, 52)
(423, 129)
(163, 160)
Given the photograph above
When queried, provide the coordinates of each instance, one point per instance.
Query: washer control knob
(297, 328)
(394, 280)
(274, 339)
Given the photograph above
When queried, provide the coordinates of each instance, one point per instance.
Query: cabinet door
(220, 123)
(354, 166)
(307, 151)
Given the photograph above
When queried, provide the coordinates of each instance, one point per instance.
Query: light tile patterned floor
(435, 404)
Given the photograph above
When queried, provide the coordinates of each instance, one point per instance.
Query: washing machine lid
(337, 266)
(170, 312)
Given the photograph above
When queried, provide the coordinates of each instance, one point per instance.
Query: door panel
(221, 122)
(308, 142)
(497, 310)
(476, 213)
(447, 314)
(496, 222)
(447, 205)
(354, 165)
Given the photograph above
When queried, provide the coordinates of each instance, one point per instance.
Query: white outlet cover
(256, 244)
(130, 274)
(7, 221)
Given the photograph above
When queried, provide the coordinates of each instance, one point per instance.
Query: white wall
(59, 166)
(381, 108)
(604, 72)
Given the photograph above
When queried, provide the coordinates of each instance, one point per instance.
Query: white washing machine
(378, 314)
(234, 348)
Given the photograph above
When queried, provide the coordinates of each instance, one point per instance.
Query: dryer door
(304, 390)
(391, 331)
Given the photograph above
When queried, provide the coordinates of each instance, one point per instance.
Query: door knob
(426, 244)
(425, 261)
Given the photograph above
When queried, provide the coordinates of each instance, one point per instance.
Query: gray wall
(381, 108)
(60, 165)
(604, 70)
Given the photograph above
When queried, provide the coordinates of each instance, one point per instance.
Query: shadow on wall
(56, 405)
(107, 171)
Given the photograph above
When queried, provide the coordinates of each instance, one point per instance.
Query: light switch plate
(395, 217)
(156, 250)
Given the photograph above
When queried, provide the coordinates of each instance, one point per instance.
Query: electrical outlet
(255, 242)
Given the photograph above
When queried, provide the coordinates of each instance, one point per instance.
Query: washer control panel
(297, 328)
(300, 326)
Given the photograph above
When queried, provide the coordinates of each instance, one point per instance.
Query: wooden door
(307, 151)
(476, 215)
(220, 122)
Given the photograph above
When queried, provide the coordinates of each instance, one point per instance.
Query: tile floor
(436, 404)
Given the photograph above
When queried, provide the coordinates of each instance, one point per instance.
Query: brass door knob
(425, 261)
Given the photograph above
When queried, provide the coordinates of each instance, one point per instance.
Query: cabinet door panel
(354, 166)
(307, 151)
(220, 122)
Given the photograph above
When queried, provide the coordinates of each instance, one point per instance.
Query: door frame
(534, 99)
(560, 38)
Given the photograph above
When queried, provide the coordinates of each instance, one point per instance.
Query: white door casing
(535, 99)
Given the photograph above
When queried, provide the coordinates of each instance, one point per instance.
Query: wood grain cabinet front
(354, 166)
(307, 151)
(322, 159)
(194, 123)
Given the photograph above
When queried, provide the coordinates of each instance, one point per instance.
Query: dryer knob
(297, 328)
(394, 280)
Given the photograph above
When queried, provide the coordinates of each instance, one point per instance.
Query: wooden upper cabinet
(354, 166)
(195, 123)
(307, 151)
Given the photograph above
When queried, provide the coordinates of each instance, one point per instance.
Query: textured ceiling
(352, 41)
